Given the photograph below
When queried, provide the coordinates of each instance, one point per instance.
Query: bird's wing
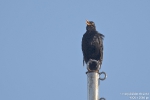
(100, 39)
(83, 48)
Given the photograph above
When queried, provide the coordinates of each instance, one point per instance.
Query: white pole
(92, 85)
(93, 77)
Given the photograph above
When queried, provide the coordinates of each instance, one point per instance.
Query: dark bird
(92, 45)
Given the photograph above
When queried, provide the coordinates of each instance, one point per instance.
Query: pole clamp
(105, 76)
(102, 99)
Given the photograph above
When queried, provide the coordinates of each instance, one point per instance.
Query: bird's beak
(87, 22)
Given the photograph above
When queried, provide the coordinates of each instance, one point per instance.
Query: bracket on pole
(105, 76)
(102, 99)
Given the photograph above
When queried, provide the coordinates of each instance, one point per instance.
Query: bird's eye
(92, 23)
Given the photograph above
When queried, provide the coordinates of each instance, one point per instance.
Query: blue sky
(41, 57)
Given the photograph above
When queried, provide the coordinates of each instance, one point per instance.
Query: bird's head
(90, 26)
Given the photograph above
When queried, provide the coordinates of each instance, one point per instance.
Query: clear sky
(40, 48)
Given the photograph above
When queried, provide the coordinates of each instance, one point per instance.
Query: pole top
(93, 65)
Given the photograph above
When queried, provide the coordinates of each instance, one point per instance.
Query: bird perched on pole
(92, 45)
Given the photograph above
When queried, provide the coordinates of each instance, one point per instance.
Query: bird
(92, 45)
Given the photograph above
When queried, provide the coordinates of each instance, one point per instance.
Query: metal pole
(93, 77)
(92, 86)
